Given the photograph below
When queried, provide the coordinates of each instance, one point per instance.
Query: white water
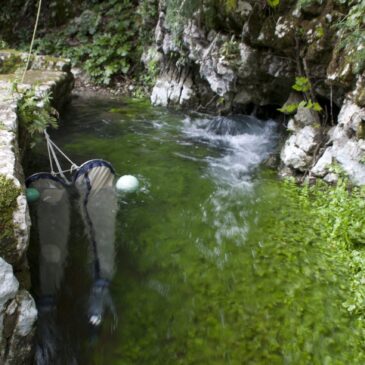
(242, 142)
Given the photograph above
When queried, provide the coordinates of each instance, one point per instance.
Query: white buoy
(127, 184)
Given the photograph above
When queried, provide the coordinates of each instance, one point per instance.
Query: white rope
(52, 155)
(33, 38)
(50, 158)
(62, 153)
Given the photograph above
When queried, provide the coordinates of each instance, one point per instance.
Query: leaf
(317, 107)
(273, 3)
(302, 84)
(289, 108)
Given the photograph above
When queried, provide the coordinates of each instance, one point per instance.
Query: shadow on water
(202, 273)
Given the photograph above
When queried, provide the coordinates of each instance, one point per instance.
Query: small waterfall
(242, 142)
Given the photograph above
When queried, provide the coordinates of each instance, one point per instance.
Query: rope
(33, 38)
(52, 156)
(62, 153)
(51, 146)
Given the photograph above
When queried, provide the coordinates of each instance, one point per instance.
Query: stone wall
(17, 308)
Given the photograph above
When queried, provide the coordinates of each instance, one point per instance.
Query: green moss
(10, 64)
(53, 59)
(8, 196)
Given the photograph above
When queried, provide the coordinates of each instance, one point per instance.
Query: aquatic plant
(215, 275)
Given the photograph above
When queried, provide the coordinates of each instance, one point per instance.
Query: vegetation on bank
(107, 38)
(8, 203)
(35, 114)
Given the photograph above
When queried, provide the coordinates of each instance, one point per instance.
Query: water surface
(205, 271)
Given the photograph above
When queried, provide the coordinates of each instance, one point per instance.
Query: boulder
(294, 157)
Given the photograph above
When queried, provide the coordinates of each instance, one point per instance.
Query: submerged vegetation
(268, 272)
(298, 300)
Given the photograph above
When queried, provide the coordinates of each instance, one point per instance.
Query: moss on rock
(10, 62)
(8, 203)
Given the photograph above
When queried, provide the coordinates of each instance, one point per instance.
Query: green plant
(273, 3)
(352, 32)
(337, 169)
(230, 50)
(35, 115)
(3, 44)
(302, 84)
(103, 40)
(148, 78)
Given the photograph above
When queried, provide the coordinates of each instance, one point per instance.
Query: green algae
(285, 291)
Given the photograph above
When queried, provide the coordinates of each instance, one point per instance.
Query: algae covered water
(216, 261)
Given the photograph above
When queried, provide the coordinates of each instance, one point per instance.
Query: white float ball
(127, 184)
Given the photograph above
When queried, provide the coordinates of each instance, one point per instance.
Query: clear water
(203, 274)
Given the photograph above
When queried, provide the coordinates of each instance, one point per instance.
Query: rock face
(346, 145)
(311, 149)
(222, 67)
(250, 57)
(18, 315)
(17, 309)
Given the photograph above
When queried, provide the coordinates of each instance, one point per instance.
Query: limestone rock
(293, 156)
(306, 139)
(346, 149)
(305, 116)
(17, 319)
(331, 178)
(321, 167)
(8, 284)
(232, 69)
(171, 88)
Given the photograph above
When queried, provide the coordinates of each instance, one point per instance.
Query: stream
(202, 273)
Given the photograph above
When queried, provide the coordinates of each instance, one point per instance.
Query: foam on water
(242, 142)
